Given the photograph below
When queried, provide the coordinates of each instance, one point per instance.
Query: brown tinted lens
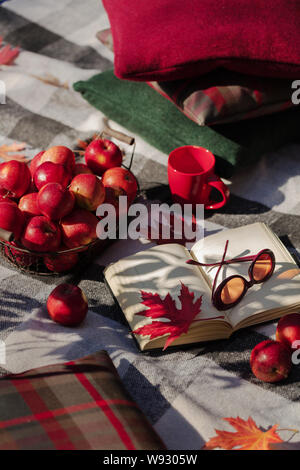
(262, 267)
(232, 290)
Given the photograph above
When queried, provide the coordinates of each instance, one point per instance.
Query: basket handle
(6, 235)
(116, 134)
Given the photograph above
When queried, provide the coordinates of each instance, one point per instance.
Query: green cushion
(143, 111)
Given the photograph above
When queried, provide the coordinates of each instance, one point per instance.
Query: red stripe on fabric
(216, 97)
(106, 410)
(63, 411)
(59, 437)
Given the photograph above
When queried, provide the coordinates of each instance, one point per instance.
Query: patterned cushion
(173, 39)
(221, 96)
(78, 405)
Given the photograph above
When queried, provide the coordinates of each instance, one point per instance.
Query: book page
(160, 269)
(281, 290)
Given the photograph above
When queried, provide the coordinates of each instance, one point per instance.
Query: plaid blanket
(185, 394)
(79, 405)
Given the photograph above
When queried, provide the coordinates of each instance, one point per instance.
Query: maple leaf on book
(248, 436)
(179, 319)
(8, 53)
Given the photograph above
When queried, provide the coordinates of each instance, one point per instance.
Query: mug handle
(218, 184)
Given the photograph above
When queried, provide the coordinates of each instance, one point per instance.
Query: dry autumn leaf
(247, 436)
(8, 53)
(82, 144)
(179, 319)
(51, 80)
(5, 152)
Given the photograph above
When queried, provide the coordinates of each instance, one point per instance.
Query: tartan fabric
(221, 96)
(79, 405)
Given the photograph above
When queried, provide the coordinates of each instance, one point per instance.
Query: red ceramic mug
(191, 177)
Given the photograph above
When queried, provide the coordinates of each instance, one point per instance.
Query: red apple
(11, 218)
(15, 177)
(61, 262)
(5, 195)
(270, 361)
(67, 305)
(54, 201)
(17, 256)
(79, 228)
(50, 172)
(28, 205)
(102, 154)
(35, 162)
(60, 154)
(117, 178)
(288, 330)
(82, 168)
(41, 234)
(88, 191)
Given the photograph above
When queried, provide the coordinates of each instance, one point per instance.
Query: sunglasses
(233, 288)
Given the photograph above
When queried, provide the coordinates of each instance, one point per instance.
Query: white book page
(282, 289)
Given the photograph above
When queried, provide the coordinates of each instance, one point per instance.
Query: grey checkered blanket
(185, 394)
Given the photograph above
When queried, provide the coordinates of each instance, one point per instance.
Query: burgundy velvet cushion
(171, 39)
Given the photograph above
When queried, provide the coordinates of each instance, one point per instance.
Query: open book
(161, 270)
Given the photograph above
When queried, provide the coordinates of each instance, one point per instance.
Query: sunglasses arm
(230, 261)
(218, 270)
(220, 264)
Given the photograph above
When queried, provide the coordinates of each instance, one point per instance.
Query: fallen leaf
(51, 80)
(179, 319)
(82, 144)
(5, 152)
(8, 53)
(247, 437)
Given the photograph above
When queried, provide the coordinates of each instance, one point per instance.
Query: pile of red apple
(270, 360)
(50, 205)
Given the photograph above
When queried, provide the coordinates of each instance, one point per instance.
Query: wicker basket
(31, 262)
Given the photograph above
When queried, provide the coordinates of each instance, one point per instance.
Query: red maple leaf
(8, 53)
(179, 319)
(247, 436)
